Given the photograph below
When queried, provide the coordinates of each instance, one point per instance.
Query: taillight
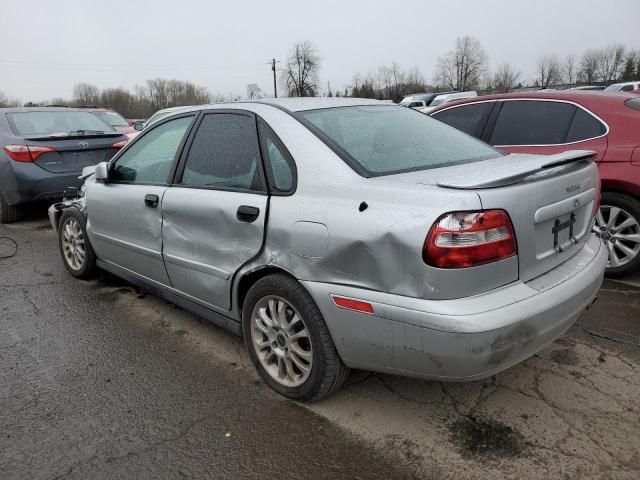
(467, 239)
(119, 144)
(26, 153)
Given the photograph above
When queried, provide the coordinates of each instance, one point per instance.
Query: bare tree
(549, 72)
(7, 102)
(589, 66)
(86, 94)
(610, 62)
(463, 67)
(253, 91)
(569, 69)
(505, 78)
(301, 71)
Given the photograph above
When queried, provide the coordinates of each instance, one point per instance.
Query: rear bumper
(463, 339)
(30, 183)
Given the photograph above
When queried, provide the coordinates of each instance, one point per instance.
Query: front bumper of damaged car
(463, 339)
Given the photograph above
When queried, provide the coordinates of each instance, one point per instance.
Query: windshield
(615, 86)
(114, 119)
(57, 123)
(381, 140)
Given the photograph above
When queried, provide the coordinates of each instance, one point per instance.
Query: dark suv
(43, 151)
(552, 122)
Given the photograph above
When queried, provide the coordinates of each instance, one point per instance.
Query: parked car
(133, 121)
(314, 229)
(420, 100)
(445, 98)
(43, 152)
(553, 122)
(112, 117)
(156, 117)
(624, 87)
(589, 87)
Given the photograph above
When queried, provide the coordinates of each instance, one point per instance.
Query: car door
(545, 127)
(214, 213)
(125, 216)
(471, 118)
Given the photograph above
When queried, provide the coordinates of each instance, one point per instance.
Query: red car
(112, 117)
(556, 121)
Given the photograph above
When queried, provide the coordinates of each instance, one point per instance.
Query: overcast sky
(49, 45)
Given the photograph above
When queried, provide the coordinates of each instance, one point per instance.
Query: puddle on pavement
(486, 438)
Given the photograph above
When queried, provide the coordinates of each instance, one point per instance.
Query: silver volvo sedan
(345, 233)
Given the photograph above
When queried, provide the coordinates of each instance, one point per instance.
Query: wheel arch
(248, 278)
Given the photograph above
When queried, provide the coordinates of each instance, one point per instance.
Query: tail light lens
(119, 144)
(26, 153)
(468, 239)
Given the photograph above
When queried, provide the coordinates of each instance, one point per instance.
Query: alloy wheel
(621, 233)
(73, 245)
(281, 341)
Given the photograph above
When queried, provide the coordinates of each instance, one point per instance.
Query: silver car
(345, 233)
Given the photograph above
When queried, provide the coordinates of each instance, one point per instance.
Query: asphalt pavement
(98, 380)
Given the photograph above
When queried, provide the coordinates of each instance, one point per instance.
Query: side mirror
(138, 126)
(102, 172)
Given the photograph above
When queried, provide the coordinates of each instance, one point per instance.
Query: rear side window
(381, 140)
(470, 118)
(415, 104)
(584, 126)
(279, 163)
(627, 88)
(71, 122)
(224, 154)
(526, 122)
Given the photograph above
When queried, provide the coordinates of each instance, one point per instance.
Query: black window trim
(179, 171)
(528, 99)
(174, 163)
(273, 190)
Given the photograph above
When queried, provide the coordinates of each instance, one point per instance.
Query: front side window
(468, 118)
(114, 119)
(224, 154)
(150, 158)
(382, 140)
(526, 122)
(627, 88)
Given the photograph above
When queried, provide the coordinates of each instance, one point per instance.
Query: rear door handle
(151, 200)
(247, 213)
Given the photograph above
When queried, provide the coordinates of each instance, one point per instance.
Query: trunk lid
(550, 200)
(72, 154)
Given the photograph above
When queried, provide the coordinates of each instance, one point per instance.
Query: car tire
(75, 248)
(8, 213)
(628, 212)
(326, 371)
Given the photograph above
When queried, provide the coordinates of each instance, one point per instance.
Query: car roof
(293, 104)
(39, 109)
(586, 97)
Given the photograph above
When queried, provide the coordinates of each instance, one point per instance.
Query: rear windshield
(382, 140)
(57, 123)
(114, 119)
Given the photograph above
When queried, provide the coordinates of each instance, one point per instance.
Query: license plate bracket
(558, 226)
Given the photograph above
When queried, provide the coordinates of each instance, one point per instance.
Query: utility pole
(273, 69)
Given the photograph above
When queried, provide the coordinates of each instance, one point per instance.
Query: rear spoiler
(513, 168)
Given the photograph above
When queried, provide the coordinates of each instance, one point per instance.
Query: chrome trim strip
(197, 266)
(129, 246)
(606, 125)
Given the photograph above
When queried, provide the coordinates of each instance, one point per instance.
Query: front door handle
(247, 213)
(151, 200)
